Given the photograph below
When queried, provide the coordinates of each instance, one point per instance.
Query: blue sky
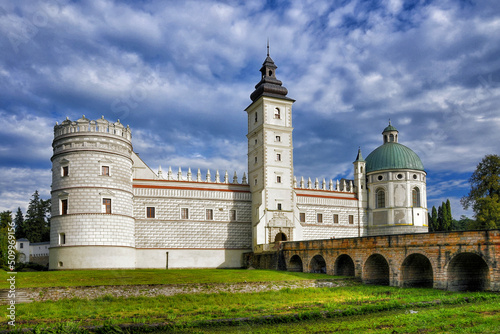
(180, 74)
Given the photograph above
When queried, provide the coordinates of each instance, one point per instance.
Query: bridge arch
(295, 264)
(317, 264)
(344, 266)
(376, 270)
(468, 272)
(416, 272)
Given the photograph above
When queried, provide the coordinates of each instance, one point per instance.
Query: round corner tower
(92, 224)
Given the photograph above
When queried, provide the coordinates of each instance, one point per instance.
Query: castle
(110, 210)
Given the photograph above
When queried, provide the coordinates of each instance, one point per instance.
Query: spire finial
(389, 121)
(268, 46)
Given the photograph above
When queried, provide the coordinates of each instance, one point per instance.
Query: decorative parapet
(208, 178)
(340, 186)
(98, 126)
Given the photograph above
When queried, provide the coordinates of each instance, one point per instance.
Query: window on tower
(380, 198)
(278, 138)
(209, 214)
(64, 207)
(319, 218)
(277, 113)
(106, 204)
(278, 157)
(351, 219)
(105, 170)
(256, 117)
(232, 215)
(65, 171)
(184, 213)
(302, 217)
(278, 179)
(150, 212)
(416, 197)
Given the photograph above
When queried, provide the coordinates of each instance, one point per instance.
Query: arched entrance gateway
(376, 270)
(280, 237)
(416, 272)
(344, 266)
(468, 272)
(318, 265)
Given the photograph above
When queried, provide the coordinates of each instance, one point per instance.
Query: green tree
(440, 218)
(447, 218)
(484, 195)
(20, 224)
(37, 222)
(5, 220)
(433, 220)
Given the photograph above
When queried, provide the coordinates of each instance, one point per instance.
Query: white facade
(110, 210)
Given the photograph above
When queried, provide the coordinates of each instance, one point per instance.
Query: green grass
(150, 276)
(286, 307)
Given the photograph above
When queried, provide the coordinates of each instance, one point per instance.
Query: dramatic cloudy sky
(180, 74)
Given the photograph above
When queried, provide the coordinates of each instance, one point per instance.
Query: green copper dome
(393, 156)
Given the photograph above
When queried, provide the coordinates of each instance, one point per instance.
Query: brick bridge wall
(466, 260)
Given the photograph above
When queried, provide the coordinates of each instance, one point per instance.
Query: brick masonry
(467, 260)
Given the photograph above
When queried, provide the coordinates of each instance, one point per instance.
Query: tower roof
(269, 85)
(389, 128)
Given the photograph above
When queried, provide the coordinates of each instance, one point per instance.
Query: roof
(390, 128)
(393, 156)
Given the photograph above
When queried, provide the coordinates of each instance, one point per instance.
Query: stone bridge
(457, 261)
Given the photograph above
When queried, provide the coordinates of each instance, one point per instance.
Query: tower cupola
(269, 85)
(390, 134)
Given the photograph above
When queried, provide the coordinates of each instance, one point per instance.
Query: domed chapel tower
(270, 158)
(397, 200)
(92, 224)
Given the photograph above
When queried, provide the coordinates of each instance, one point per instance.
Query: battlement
(98, 126)
(198, 177)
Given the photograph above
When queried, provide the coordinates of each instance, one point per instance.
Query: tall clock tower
(270, 159)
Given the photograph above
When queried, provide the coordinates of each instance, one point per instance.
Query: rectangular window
(278, 157)
(255, 182)
(150, 212)
(256, 117)
(184, 213)
(64, 207)
(65, 171)
(351, 219)
(278, 179)
(232, 215)
(21, 245)
(210, 214)
(279, 206)
(255, 160)
(105, 170)
(302, 216)
(278, 138)
(106, 203)
(62, 238)
(335, 218)
(320, 217)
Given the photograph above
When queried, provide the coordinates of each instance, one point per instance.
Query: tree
(20, 224)
(484, 195)
(433, 220)
(5, 221)
(37, 222)
(447, 218)
(440, 218)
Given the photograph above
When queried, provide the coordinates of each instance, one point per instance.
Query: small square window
(105, 170)
(106, 203)
(351, 219)
(302, 216)
(209, 214)
(232, 215)
(184, 213)
(150, 212)
(64, 207)
(65, 171)
(320, 217)
(335, 218)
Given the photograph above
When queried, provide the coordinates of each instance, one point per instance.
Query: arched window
(380, 198)
(277, 113)
(416, 197)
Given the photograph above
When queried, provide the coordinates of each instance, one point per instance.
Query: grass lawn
(150, 276)
(354, 308)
